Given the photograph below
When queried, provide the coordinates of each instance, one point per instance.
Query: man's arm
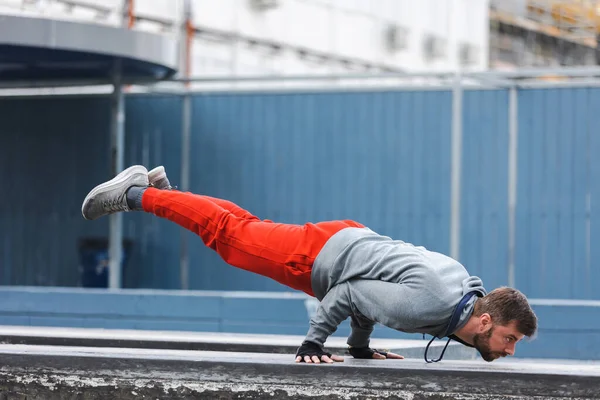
(361, 331)
(332, 311)
(359, 340)
(391, 304)
(342, 301)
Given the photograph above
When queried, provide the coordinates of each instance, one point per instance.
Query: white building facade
(291, 37)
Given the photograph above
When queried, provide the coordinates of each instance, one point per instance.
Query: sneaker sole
(114, 182)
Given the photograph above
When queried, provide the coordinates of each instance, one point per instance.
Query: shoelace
(115, 204)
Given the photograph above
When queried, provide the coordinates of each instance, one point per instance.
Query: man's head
(504, 317)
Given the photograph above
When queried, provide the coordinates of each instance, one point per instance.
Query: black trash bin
(94, 259)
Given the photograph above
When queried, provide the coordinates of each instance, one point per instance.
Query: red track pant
(283, 252)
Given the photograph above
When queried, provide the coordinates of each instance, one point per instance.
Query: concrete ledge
(231, 342)
(51, 372)
(569, 329)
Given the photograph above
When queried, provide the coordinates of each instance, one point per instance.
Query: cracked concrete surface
(53, 373)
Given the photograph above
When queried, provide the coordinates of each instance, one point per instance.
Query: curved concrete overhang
(41, 50)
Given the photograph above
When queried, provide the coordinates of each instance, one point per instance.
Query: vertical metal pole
(185, 183)
(117, 159)
(512, 180)
(456, 156)
(456, 169)
(186, 123)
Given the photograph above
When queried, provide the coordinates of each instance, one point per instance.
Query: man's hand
(313, 353)
(365, 352)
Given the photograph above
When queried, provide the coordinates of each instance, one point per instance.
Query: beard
(482, 344)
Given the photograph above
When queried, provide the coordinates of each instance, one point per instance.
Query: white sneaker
(111, 196)
(158, 178)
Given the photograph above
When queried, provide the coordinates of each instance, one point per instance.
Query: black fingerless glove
(311, 349)
(364, 352)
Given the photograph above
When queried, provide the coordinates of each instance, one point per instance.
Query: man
(353, 271)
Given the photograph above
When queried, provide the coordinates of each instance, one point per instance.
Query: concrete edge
(268, 372)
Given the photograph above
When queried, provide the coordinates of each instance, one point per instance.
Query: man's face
(495, 341)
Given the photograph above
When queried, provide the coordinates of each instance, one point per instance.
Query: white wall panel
(342, 29)
(219, 14)
(308, 25)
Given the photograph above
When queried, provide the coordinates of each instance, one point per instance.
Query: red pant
(283, 252)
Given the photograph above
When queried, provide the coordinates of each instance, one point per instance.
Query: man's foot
(111, 197)
(158, 178)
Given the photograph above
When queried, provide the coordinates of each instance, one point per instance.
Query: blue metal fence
(382, 158)
(51, 150)
(556, 222)
(484, 206)
(378, 158)
(153, 137)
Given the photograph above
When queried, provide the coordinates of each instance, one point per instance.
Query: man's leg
(282, 252)
(235, 209)
(158, 178)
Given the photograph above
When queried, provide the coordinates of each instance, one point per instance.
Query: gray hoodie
(372, 278)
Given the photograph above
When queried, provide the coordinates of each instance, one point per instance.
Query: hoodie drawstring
(451, 326)
(441, 355)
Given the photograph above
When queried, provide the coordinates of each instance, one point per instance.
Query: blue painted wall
(260, 314)
(382, 158)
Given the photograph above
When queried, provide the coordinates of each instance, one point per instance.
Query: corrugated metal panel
(556, 145)
(153, 137)
(484, 205)
(378, 158)
(587, 256)
(50, 151)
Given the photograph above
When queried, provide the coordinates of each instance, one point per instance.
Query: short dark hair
(506, 305)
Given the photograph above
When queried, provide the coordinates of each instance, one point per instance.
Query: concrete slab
(55, 372)
(209, 341)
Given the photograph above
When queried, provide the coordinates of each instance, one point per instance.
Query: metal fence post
(512, 179)
(117, 161)
(186, 124)
(456, 167)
